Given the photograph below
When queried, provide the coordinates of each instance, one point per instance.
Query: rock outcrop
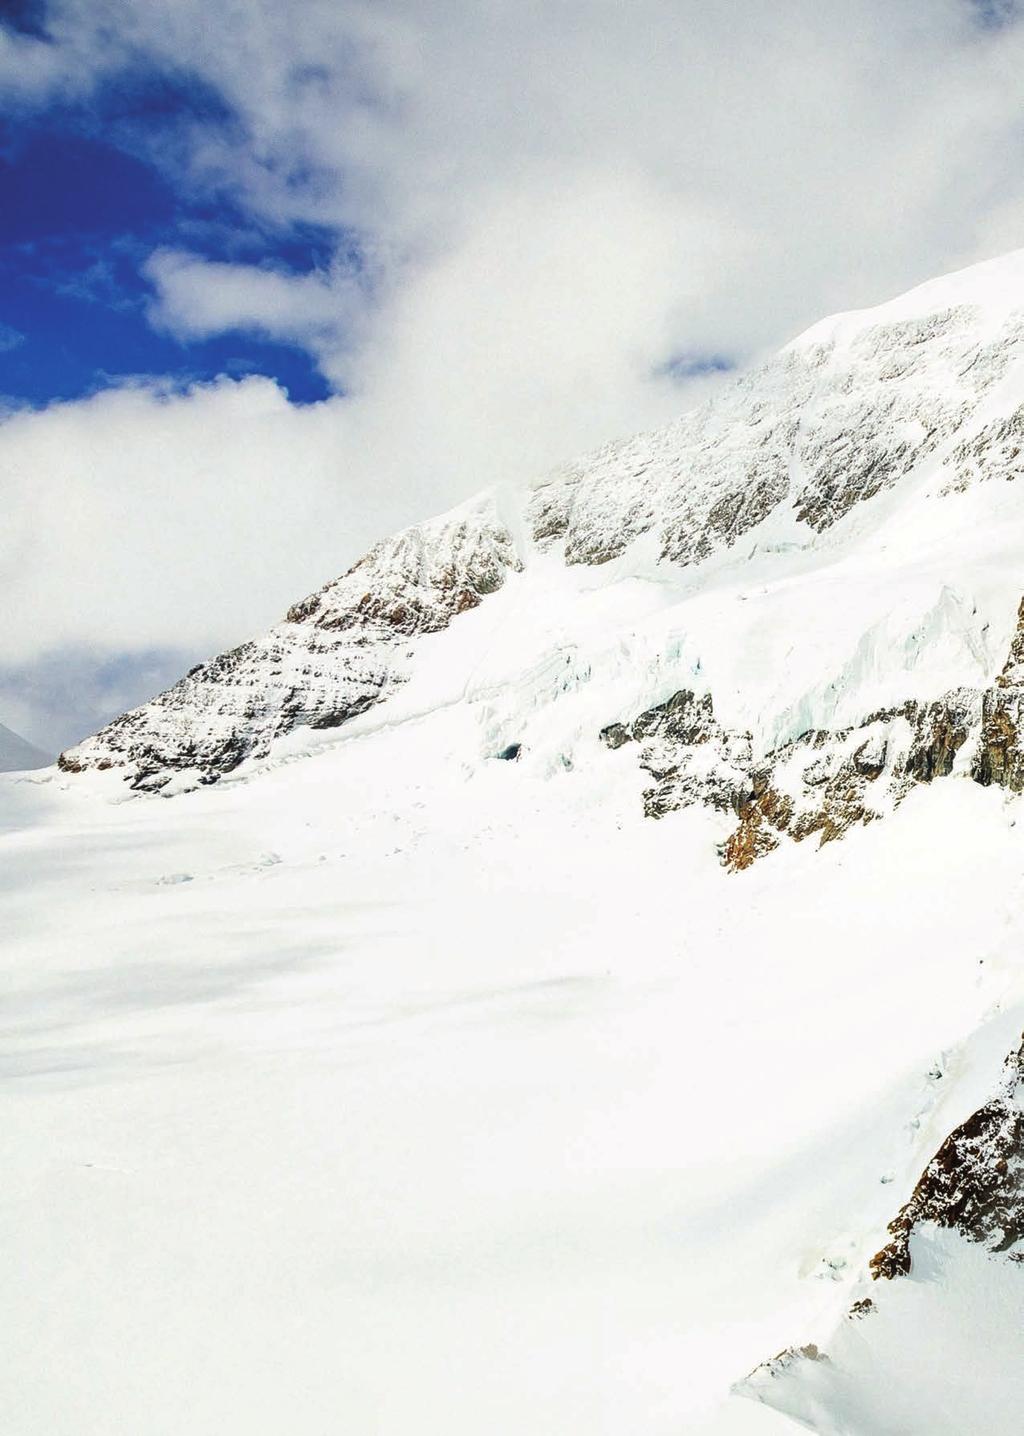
(825, 782)
(970, 1196)
(974, 1184)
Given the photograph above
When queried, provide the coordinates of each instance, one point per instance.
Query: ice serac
(798, 600)
(824, 782)
(338, 652)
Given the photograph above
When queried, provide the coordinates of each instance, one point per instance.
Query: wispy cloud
(197, 297)
(10, 338)
(96, 283)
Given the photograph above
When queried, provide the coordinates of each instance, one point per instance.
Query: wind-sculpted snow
(400, 1059)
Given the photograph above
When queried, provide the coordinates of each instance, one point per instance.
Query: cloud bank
(545, 215)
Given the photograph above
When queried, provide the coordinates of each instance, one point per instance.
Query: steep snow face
(850, 409)
(790, 560)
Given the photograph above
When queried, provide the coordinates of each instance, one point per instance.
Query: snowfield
(378, 1096)
(367, 1081)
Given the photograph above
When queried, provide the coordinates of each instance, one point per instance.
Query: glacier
(520, 991)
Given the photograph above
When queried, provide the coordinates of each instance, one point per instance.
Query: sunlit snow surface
(399, 1094)
(386, 1088)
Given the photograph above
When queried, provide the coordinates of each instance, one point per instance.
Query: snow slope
(399, 1075)
(382, 1094)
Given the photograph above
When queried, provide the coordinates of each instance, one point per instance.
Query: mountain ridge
(884, 419)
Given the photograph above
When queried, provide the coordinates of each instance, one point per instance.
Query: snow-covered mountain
(791, 626)
(18, 754)
(401, 1075)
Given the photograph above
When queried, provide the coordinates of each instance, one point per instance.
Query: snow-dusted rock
(338, 652)
(939, 1351)
(848, 410)
(974, 1185)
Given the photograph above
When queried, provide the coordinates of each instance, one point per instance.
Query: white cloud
(552, 200)
(197, 297)
(139, 519)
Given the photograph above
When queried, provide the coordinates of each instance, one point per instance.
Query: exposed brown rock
(823, 783)
(750, 840)
(869, 760)
(974, 1184)
(941, 733)
(999, 758)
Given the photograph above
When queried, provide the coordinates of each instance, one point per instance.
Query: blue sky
(79, 215)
